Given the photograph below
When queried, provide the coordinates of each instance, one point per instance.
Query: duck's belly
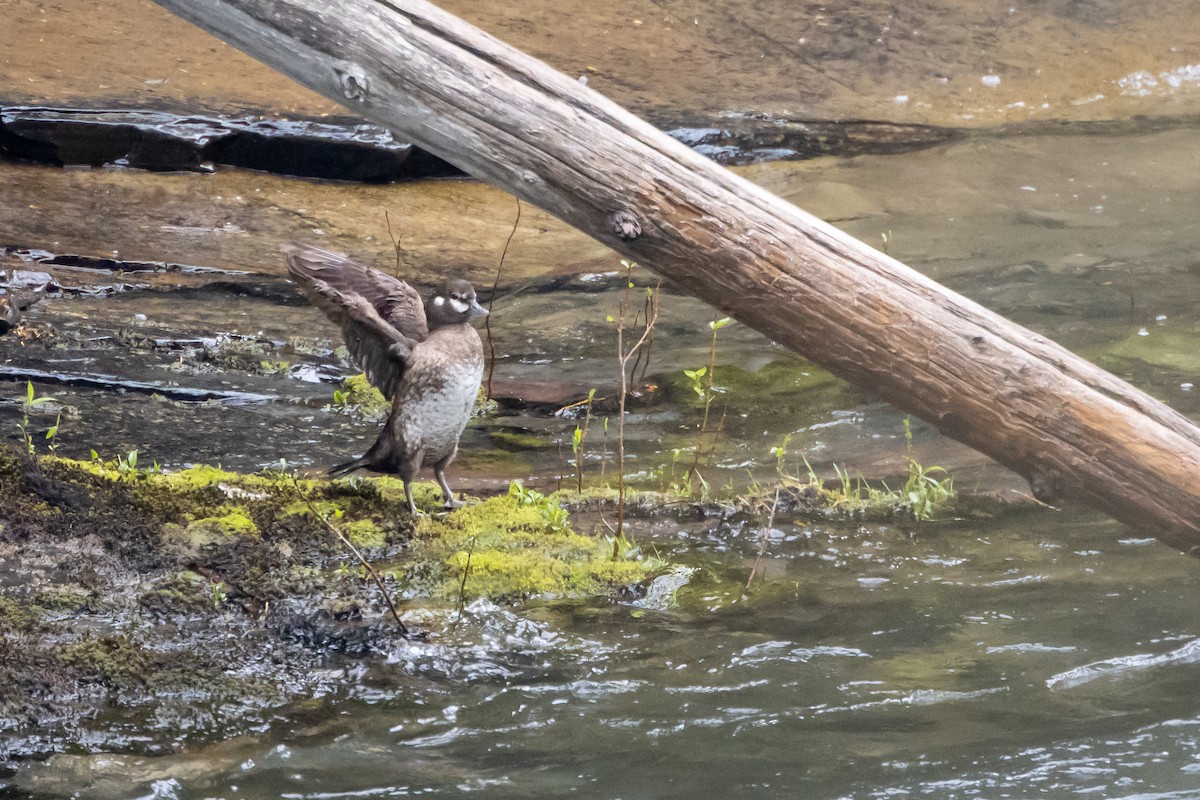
(432, 413)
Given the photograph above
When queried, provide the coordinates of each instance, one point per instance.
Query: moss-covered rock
(204, 596)
(358, 397)
(250, 532)
(506, 548)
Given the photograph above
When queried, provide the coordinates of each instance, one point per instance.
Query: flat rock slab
(940, 62)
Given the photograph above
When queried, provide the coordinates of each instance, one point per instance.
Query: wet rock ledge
(344, 149)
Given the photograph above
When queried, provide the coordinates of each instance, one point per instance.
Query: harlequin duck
(425, 357)
(14, 303)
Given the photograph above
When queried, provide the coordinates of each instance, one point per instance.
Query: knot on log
(625, 225)
(352, 80)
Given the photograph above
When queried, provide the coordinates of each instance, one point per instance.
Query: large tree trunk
(1072, 429)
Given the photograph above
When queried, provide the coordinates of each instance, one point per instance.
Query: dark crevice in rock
(156, 140)
(349, 150)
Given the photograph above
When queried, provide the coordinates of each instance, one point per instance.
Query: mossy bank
(198, 603)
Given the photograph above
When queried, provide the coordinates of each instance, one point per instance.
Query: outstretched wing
(381, 318)
(14, 302)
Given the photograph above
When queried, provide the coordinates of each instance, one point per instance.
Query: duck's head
(452, 304)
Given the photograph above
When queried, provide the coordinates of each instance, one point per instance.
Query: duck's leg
(408, 470)
(412, 507)
(439, 472)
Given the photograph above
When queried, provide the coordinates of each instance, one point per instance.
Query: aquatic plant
(923, 493)
(554, 514)
(921, 496)
(763, 536)
(487, 321)
(33, 401)
(701, 381)
(579, 436)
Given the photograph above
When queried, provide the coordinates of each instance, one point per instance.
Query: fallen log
(1073, 430)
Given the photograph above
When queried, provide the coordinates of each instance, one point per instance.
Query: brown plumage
(14, 303)
(425, 358)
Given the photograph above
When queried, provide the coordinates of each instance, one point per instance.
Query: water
(1041, 654)
(1087, 239)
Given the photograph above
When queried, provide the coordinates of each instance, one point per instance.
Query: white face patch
(459, 306)
(439, 301)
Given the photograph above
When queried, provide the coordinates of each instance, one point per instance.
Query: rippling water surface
(1038, 655)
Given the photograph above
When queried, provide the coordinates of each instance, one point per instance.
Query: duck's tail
(338, 470)
(378, 458)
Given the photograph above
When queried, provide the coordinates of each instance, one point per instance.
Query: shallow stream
(1039, 652)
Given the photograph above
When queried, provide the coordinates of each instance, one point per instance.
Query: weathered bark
(1072, 429)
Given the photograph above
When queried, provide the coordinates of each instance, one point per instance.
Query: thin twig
(487, 321)
(395, 240)
(644, 364)
(562, 465)
(762, 542)
(387, 598)
(587, 401)
(579, 456)
(462, 587)
(623, 357)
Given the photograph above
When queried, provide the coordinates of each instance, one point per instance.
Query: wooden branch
(1072, 429)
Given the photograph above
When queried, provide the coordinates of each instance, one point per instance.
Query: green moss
(517, 441)
(184, 592)
(510, 550)
(364, 533)
(247, 529)
(16, 617)
(234, 523)
(358, 397)
(1170, 348)
(114, 660)
(196, 478)
(391, 490)
(62, 599)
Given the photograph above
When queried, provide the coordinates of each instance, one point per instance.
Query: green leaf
(717, 324)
